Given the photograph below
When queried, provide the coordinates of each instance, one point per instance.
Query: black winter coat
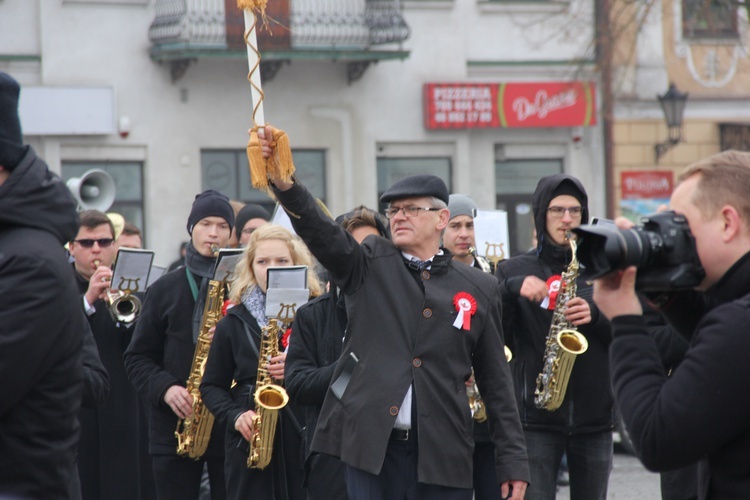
(160, 355)
(314, 346)
(112, 451)
(41, 334)
(588, 403)
(699, 412)
(234, 359)
(402, 332)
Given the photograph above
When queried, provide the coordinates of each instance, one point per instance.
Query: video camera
(661, 247)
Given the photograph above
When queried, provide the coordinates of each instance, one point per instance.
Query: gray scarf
(254, 301)
(202, 268)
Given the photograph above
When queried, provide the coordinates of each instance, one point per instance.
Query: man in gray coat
(396, 412)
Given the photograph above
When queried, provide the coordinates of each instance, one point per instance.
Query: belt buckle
(400, 434)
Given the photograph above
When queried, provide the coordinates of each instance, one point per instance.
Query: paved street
(629, 481)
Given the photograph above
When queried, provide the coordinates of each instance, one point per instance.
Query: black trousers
(398, 478)
(180, 477)
(486, 485)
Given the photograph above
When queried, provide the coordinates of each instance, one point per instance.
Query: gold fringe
(256, 162)
(279, 165)
(252, 4)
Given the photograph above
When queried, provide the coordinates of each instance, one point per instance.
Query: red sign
(646, 184)
(512, 105)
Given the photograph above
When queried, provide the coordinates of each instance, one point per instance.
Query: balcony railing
(355, 31)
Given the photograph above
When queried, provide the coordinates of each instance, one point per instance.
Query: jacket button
(425, 274)
(393, 411)
(416, 362)
(427, 313)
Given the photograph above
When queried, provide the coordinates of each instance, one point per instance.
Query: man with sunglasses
(112, 459)
(396, 412)
(582, 426)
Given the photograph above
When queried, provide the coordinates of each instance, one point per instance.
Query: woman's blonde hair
(301, 256)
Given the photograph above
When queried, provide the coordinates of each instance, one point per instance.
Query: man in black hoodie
(41, 327)
(582, 426)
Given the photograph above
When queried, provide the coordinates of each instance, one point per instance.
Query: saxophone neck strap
(193, 284)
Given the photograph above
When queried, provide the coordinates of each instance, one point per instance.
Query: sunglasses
(103, 242)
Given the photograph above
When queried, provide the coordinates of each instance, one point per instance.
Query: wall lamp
(673, 105)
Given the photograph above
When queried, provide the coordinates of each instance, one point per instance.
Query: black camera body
(661, 247)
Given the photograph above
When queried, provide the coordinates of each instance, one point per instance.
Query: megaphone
(95, 189)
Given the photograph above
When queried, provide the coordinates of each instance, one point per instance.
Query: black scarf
(203, 268)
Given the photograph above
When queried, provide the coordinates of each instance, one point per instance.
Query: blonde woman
(234, 358)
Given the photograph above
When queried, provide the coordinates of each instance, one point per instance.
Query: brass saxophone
(269, 399)
(194, 432)
(478, 410)
(564, 343)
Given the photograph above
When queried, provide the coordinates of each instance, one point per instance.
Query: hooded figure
(41, 325)
(586, 414)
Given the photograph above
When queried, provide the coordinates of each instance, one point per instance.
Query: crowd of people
(405, 322)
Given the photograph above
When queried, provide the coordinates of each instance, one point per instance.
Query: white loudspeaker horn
(95, 189)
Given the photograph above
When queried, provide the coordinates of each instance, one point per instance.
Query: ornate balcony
(356, 32)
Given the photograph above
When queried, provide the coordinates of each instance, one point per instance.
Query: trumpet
(124, 307)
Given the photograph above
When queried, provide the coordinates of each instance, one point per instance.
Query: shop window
(709, 19)
(391, 170)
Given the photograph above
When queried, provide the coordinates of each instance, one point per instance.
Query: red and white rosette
(553, 288)
(466, 305)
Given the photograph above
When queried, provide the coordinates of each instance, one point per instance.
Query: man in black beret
(396, 412)
(159, 358)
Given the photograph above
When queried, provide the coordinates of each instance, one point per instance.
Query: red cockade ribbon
(285, 338)
(553, 286)
(466, 306)
(228, 304)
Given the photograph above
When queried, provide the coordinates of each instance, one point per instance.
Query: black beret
(210, 203)
(416, 186)
(250, 211)
(11, 140)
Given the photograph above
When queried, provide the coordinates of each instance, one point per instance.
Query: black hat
(416, 186)
(11, 140)
(210, 203)
(250, 211)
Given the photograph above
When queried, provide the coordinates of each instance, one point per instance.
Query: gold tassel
(256, 162)
(281, 163)
(252, 4)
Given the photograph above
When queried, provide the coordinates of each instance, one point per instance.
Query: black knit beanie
(11, 140)
(250, 211)
(210, 203)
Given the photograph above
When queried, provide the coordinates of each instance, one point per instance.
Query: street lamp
(673, 105)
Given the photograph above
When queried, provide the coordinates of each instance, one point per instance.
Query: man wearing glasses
(582, 426)
(109, 456)
(396, 412)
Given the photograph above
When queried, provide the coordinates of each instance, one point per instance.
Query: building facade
(155, 92)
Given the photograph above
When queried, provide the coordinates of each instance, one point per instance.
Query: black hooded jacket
(41, 333)
(588, 402)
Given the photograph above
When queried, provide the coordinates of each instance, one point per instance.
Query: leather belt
(400, 434)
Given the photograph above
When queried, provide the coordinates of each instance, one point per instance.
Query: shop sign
(509, 105)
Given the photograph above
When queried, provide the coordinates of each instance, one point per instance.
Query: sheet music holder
(155, 273)
(132, 268)
(226, 263)
(286, 292)
(491, 234)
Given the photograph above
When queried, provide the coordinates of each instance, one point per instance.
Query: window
(709, 19)
(391, 170)
(227, 171)
(515, 182)
(128, 177)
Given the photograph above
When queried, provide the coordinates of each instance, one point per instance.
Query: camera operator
(699, 413)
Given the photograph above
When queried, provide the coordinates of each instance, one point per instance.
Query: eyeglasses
(390, 213)
(558, 212)
(103, 242)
